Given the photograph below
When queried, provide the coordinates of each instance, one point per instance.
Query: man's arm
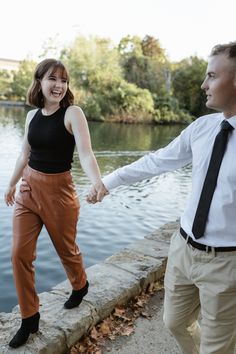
(175, 155)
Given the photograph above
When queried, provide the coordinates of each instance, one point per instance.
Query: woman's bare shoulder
(30, 115)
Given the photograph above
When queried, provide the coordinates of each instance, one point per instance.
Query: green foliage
(22, 79)
(166, 101)
(144, 63)
(92, 62)
(164, 115)
(133, 82)
(151, 48)
(167, 110)
(131, 103)
(5, 82)
(187, 78)
(121, 101)
(147, 73)
(89, 103)
(94, 65)
(130, 46)
(92, 107)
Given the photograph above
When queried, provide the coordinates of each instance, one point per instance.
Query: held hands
(96, 193)
(10, 195)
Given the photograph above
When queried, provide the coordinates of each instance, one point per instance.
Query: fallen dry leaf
(104, 328)
(119, 311)
(119, 323)
(128, 331)
(94, 333)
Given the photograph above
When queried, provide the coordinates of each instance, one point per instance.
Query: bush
(165, 115)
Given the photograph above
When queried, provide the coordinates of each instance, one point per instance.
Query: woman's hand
(10, 195)
(96, 193)
(21, 162)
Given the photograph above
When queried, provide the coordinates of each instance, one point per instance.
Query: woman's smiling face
(54, 86)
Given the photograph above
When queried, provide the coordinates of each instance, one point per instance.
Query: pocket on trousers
(24, 191)
(24, 187)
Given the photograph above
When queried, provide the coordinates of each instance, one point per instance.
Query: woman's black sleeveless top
(52, 146)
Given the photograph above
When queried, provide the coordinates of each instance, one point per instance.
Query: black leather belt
(202, 247)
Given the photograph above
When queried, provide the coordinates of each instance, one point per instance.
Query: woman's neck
(48, 110)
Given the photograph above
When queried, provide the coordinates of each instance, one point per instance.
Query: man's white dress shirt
(194, 145)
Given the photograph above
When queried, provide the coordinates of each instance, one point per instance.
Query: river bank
(116, 118)
(12, 103)
(113, 282)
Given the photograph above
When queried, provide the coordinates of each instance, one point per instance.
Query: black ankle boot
(28, 325)
(76, 297)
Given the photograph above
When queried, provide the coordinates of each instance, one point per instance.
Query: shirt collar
(231, 120)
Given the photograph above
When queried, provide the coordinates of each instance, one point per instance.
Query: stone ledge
(114, 282)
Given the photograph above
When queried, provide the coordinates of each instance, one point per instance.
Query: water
(126, 215)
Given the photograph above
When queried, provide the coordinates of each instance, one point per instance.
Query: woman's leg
(62, 231)
(60, 217)
(26, 228)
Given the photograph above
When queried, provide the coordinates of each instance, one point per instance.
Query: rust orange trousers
(49, 200)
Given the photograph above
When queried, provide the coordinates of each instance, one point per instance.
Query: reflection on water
(127, 214)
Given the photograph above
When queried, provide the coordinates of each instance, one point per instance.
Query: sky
(183, 27)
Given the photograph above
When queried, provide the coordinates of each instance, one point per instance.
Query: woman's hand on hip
(10, 195)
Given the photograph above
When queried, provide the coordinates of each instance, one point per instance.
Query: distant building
(9, 64)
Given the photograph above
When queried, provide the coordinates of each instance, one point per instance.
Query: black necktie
(209, 185)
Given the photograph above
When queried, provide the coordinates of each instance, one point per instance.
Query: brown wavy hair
(34, 95)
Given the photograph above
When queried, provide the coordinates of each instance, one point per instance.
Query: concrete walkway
(114, 282)
(150, 336)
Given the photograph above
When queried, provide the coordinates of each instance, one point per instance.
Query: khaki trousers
(196, 280)
(50, 200)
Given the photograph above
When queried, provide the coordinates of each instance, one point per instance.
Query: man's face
(220, 84)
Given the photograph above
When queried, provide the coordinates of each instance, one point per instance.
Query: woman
(47, 195)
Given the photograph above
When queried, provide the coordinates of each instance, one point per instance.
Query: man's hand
(96, 193)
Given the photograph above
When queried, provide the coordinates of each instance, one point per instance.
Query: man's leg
(181, 304)
(217, 286)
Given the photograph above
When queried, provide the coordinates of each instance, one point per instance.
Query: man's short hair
(228, 49)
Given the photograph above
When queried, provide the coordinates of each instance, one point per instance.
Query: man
(201, 268)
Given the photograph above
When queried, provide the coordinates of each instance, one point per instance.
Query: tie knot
(226, 126)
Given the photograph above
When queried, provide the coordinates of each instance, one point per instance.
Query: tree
(151, 48)
(22, 79)
(98, 83)
(130, 46)
(187, 77)
(92, 61)
(5, 84)
(144, 63)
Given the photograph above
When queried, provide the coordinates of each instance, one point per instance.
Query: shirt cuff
(112, 180)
